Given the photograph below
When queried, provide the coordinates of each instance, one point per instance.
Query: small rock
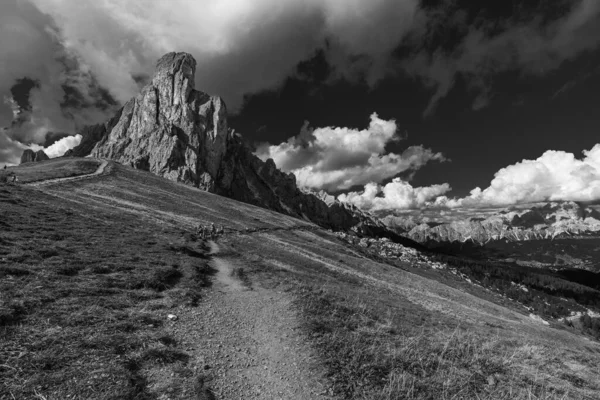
(172, 317)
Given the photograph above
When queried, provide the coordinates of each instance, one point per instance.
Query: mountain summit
(170, 128)
(180, 133)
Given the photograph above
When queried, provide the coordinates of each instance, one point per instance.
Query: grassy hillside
(89, 271)
(52, 169)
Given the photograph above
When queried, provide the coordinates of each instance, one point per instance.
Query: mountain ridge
(180, 133)
(542, 221)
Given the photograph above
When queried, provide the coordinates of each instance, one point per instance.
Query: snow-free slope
(352, 327)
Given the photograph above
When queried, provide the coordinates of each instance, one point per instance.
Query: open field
(53, 169)
(89, 271)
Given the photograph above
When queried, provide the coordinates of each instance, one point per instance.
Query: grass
(50, 169)
(89, 274)
(84, 298)
(373, 358)
(375, 344)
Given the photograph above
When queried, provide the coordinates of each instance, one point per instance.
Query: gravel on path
(247, 342)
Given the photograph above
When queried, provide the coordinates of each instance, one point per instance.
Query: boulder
(41, 156)
(33, 156)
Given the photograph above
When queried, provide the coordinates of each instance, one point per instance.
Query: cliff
(180, 133)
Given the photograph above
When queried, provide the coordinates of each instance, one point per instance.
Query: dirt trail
(99, 171)
(247, 341)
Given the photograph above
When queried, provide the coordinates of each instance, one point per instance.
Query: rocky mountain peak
(174, 78)
(170, 128)
(175, 131)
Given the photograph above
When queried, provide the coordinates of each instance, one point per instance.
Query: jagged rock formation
(33, 156)
(170, 128)
(175, 131)
(91, 135)
(542, 221)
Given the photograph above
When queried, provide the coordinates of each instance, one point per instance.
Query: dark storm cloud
(45, 86)
(241, 46)
(87, 53)
(10, 150)
(141, 79)
(21, 90)
(533, 44)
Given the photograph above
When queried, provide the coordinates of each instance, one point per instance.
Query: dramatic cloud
(532, 46)
(242, 46)
(556, 175)
(339, 158)
(88, 53)
(395, 195)
(45, 87)
(59, 148)
(10, 150)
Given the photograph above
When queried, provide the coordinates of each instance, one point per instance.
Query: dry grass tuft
(370, 357)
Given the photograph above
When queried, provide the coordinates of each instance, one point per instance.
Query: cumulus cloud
(556, 175)
(335, 158)
(395, 195)
(60, 147)
(532, 46)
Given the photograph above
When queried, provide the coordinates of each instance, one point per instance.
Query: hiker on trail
(221, 230)
(213, 230)
(14, 180)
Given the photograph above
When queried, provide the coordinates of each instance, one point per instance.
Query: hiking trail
(98, 171)
(247, 341)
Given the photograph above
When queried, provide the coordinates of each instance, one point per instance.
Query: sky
(391, 105)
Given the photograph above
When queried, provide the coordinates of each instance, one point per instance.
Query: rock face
(31, 156)
(175, 131)
(170, 128)
(91, 135)
(542, 221)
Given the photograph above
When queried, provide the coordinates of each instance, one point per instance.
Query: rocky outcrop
(33, 156)
(542, 221)
(91, 135)
(175, 131)
(170, 128)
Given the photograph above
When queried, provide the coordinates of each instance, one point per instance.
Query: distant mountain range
(550, 220)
